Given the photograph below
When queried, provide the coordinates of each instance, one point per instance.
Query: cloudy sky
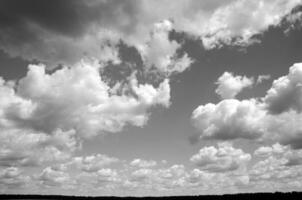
(141, 97)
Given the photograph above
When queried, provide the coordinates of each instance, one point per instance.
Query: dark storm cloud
(59, 16)
(64, 17)
(53, 31)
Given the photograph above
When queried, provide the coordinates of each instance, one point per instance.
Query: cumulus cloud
(109, 178)
(292, 157)
(103, 179)
(77, 99)
(221, 159)
(206, 181)
(25, 148)
(230, 85)
(275, 117)
(12, 177)
(160, 53)
(143, 163)
(63, 32)
(262, 78)
(51, 177)
(286, 92)
(242, 19)
(93, 163)
(279, 165)
(45, 116)
(158, 179)
(266, 151)
(230, 119)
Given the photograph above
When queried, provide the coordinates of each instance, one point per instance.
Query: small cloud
(143, 163)
(230, 85)
(221, 159)
(262, 78)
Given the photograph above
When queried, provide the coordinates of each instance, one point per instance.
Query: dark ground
(257, 196)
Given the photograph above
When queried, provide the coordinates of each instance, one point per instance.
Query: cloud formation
(143, 163)
(286, 92)
(45, 116)
(229, 119)
(116, 62)
(221, 159)
(21, 147)
(93, 163)
(159, 52)
(51, 177)
(77, 98)
(275, 117)
(57, 32)
(12, 177)
(279, 165)
(230, 85)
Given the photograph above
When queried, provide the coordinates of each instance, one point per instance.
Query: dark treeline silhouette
(251, 196)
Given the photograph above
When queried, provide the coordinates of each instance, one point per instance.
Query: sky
(140, 97)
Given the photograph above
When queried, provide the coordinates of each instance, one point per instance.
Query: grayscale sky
(141, 97)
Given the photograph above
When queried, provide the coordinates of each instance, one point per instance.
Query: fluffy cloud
(276, 117)
(103, 179)
(280, 168)
(229, 119)
(158, 179)
(242, 19)
(207, 181)
(12, 177)
(292, 157)
(79, 28)
(221, 159)
(262, 78)
(77, 98)
(44, 116)
(143, 163)
(26, 148)
(286, 92)
(51, 177)
(230, 85)
(160, 52)
(93, 163)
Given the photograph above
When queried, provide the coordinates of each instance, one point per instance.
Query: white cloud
(93, 163)
(141, 175)
(158, 179)
(221, 159)
(266, 151)
(262, 78)
(104, 178)
(279, 169)
(143, 163)
(243, 19)
(221, 21)
(276, 117)
(51, 177)
(230, 85)
(44, 117)
(291, 156)
(217, 183)
(229, 119)
(26, 148)
(77, 98)
(160, 52)
(91, 23)
(12, 177)
(286, 92)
